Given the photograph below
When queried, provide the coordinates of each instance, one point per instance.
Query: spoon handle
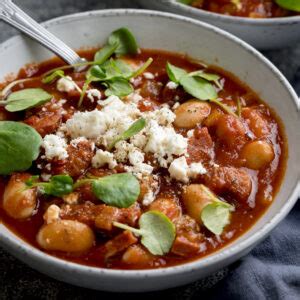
(14, 16)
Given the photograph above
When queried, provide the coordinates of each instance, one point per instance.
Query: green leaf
(25, 99)
(175, 73)
(215, 216)
(198, 87)
(125, 41)
(105, 53)
(119, 87)
(135, 128)
(120, 190)
(19, 146)
(293, 5)
(208, 76)
(157, 232)
(53, 76)
(58, 186)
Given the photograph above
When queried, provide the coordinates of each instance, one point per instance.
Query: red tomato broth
(266, 183)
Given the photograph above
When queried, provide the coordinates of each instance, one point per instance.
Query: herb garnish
(24, 99)
(135, 128)
(19, 146)
(215, 215)
(198, 84)
(120, 190)
(156, 230)
(58, 186)
(289, 4)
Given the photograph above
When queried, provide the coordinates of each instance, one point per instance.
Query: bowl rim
(21, 247)
(196, 12)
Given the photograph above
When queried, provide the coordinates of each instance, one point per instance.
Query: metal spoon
(13, 15)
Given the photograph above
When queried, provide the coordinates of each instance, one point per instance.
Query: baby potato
(195, 198)
(257, 154)
(19, 202)
(191, 113)
(67, 236)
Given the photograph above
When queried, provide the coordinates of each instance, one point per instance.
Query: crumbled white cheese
(135, 157)
(134, 97)
(149, 197)
(61, 102)
(176, 105)
(52, 214)
(164, 116)
(190, 133)
(148, 75)
(71, 199)
(179, 169)
(196, 169)
(101, 158)
(55, 147)
(92, 94)
(45, 176)
(164, 142)
(66, 84)
(89, 124)
(78, 140)
(172, 85)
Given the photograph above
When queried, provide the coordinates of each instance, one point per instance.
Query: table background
(18, 281)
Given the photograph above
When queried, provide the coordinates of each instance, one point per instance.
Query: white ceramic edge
(230, 19)
(23, 250)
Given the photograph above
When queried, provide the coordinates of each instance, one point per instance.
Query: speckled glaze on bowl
(273, 33)
(202, 41)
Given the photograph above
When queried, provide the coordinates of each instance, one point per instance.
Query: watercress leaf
(207, 76)
(96, 72)
(175, 73)
(19, 146)
(125, 41)
(216, 215)
(135, 128)
(26, 98)
(120, 190)
(293, 5)
(58, 185)
(53, 76)
(158, 232)
(124, 68)
(105, 53)
(198, 87)
(32, 180)
(119, 87)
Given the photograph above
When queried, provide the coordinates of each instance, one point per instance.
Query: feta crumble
(148, 75)
(66, 84)
(52, 214)
(93, 94)
(55, 147)
(172, 85)
(101, 158)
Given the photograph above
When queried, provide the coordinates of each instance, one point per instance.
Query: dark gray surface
(17, 281)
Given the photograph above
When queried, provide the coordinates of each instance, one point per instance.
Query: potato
(191, 113)
(66, 236)
(257, 154)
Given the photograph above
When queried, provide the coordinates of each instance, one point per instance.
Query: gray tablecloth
(270, 271)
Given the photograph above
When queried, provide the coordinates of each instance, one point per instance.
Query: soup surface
(244, 8)
(135, 166)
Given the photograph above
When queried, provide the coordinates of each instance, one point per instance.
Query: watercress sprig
(19, 146)
(58, 186)
(135, 128)
(119, 190)
(215, 215)
(293, 5)
(25, 99)
(198, 84)
(156, 230)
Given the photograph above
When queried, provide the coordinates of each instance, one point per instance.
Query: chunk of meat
(101, 215)
(256, 121)
(45, 122)
(229, 179)
(200, 146)
(137, 255)
(120, 243)
(188, 237)
(167, 206)
(231, 131)
(80, 157)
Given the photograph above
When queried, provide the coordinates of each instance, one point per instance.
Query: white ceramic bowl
(202, 41)
(273, 33)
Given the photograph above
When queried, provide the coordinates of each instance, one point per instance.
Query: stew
(248, 8)
(139, 159)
